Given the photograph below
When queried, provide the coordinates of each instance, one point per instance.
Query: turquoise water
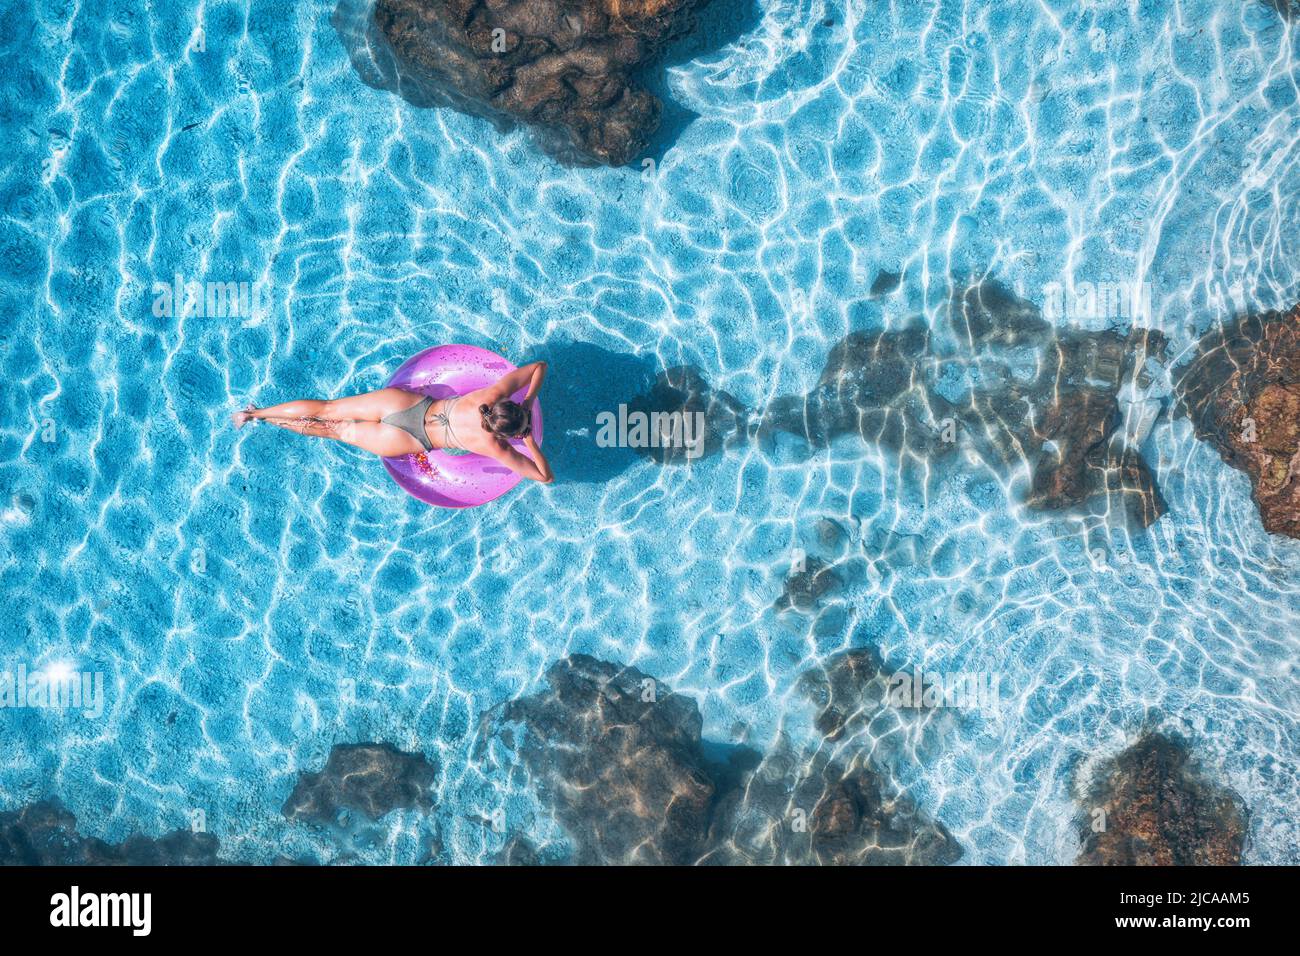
(236, 587)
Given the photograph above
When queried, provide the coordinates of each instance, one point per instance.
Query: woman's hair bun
(506, 419)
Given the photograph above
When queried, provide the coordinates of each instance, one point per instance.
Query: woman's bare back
(457, 423)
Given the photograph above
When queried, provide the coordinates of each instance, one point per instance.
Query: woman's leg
(302, 408)
(369, 407)
(374, 437)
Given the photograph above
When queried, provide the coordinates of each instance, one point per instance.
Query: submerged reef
(1242, 394)
(620, 759)
(1012, 389)
(846, 689)
(45, 834)
(694, 419)
(618, 756)
(608, 411)
(872, 385)
(808, 584)
(1149, 806)
(372, 779)
(520, 851)
(803, 810)
(569, 69)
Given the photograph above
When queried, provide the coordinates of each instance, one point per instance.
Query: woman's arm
(530, 375)
(546, 476)
(535, 383)
(537, 468)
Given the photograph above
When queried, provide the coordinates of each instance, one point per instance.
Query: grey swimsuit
(411, 421)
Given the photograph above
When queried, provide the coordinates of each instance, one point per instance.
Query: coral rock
(808, 584)
(372, 779)
(566, 68)
(1159, 812)
(679, 392)
(1242, 393)
(45, 834)
(619, 758)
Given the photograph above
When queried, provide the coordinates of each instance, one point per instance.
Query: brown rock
(681, 401)
(45, 834)
(619, 758)
(880, 385)
(810, 809)
(1076, 424)
(566, 68)
(1242, 393)
(370, 778)
(1158, 811)
(808, 584)
(846, 687)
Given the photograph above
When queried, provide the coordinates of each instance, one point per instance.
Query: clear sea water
(234, 586)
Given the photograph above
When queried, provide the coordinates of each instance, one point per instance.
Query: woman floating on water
(393, 422)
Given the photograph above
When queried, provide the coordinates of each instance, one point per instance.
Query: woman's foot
(240, 419)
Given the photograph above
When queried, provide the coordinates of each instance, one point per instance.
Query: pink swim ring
(439, 477)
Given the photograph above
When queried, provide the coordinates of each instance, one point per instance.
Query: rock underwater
(45, 834)
(369, 778)
(818, 810)
(1242, 394)
(807, 583)
(619, 758)
(695, 420)
(847, 688)
(1061, 414)
(566, 68)
(998, 384)
(1158, 811)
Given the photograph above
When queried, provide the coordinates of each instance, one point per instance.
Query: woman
(393, 421)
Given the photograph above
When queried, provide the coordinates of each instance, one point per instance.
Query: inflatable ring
(438, 477)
